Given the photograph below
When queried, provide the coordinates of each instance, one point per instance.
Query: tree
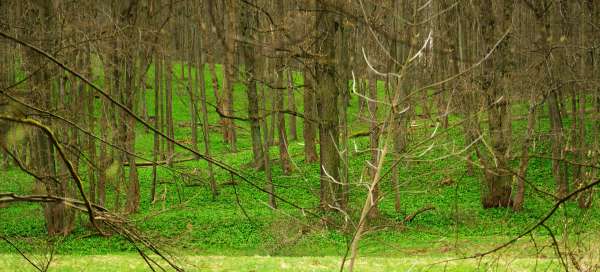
(496, 190)
(327, 91)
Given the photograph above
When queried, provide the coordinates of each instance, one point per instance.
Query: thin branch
(21, 252)
(538, 224)
(66, 160)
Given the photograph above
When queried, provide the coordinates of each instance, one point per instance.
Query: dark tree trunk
(497, 189)
(325, 83)
(248, 21)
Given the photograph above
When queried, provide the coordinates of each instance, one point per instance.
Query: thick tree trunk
(346, 63)
(325, 82)
(44, 32)
(497, 189)
(248, 21)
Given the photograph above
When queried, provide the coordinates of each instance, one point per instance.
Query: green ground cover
(187, 220)
(98, 263)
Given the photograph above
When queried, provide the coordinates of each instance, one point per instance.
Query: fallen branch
(409, 218)
(164, 162)
(116, 223)
(140, 120)
(72, 171)
(6, 198)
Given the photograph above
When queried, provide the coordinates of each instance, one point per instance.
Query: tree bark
(229, 133)
(325, 81)
(169, 106)
(157, 120)
(310, 116)
(519, 198)
(44, 30)
(200, 63)
(248, 21)
(496, 191)
(373, 140)
(292, 106)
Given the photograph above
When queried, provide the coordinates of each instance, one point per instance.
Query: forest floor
(120, 262)
(240, 227)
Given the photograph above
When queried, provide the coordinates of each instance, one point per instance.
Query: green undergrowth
(239, 222)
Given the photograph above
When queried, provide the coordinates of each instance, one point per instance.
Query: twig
(20, 252)
(129, 112)
(66, 160)
(532, 228)
(556, 247)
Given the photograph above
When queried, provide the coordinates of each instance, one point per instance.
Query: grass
(188, 221)
(98, 263)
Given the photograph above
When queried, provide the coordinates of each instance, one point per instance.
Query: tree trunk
(558, 165)
(229, 74)
(157, 121)
(200, 63)
(270, 188)
(91, 126)
(292, 106)
(519, 198)
(193, 91)
(129, 124)
(45, 34)
(248, 21)
(325, 82)
(169, 107)
(284, 157)
(497, 190)
(310, 116)
(373, 140)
